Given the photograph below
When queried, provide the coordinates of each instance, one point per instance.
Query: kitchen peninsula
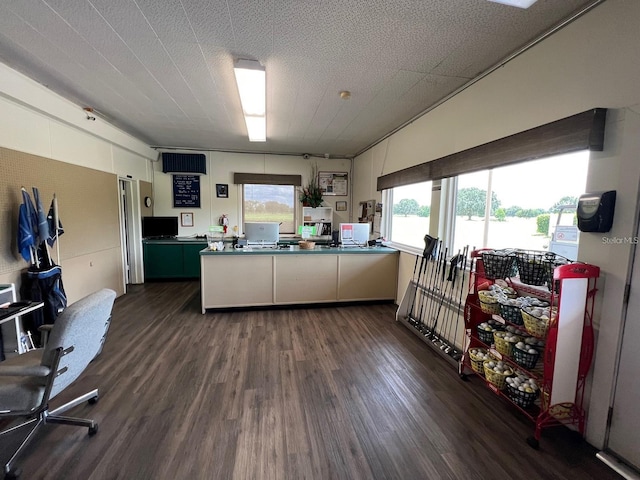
(263, 277)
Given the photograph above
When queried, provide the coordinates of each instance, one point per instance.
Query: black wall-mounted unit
(184, 163)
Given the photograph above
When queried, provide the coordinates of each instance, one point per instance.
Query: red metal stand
(544, 413)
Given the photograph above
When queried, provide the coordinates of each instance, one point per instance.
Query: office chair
(29, 381)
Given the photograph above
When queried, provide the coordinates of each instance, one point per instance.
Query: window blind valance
(579, 132)
(266, 179)
(184, 163)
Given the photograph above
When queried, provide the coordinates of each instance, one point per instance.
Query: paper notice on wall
(376, 224)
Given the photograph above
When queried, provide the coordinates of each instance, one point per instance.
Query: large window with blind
(269, 198)
(511, 192)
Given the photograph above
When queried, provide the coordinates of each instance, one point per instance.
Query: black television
(159, 227)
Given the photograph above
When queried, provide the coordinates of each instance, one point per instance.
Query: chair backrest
(82, 326)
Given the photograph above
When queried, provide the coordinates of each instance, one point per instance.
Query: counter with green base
(292, 276)
(172, 258)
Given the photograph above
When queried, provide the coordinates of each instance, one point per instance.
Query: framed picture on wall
(341, 206)
(222, 190)
(186, 219)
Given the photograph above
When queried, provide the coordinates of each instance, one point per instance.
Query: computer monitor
(354, 234)
(262, 233)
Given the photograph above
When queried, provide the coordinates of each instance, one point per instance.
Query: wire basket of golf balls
(522, 390)
(485, 331)
(496, 372)
(504, 341)
(533, 266)
(477, 357)
(489, 302)
(554, 286)
(510, 310)
(499, 264)
(536, 319)
(525, 355)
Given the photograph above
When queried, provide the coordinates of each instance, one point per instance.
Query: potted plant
(311, 195)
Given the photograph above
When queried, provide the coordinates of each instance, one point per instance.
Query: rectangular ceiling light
(251, 80)
(516, 3)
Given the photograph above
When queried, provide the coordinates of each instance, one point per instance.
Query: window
(270, 203)
(525, 201)
(525, 207)
(469, 216)
(411, 214)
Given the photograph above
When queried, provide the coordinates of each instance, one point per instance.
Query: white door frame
(626, 352)
(130, 230)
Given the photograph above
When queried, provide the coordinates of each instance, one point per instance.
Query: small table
(14, 311)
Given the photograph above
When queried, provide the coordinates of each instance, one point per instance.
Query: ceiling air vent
(184, 163)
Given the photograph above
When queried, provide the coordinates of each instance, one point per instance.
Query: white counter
(286, 277)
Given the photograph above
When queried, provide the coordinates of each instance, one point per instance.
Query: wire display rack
(565, 360)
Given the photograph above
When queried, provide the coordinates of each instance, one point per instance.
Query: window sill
(404, 248)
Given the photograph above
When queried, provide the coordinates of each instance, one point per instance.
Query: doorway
(126, 220)
(623, 438)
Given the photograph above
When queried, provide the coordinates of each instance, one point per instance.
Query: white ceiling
(162, 70)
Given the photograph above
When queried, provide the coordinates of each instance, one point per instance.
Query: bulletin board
(334, 183)
(87, 199)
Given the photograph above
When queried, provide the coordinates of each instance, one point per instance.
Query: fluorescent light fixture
(516, 3)
(251, 80)
(257, 128)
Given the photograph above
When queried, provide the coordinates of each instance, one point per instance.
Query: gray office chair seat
(20, 393)
(29, 381)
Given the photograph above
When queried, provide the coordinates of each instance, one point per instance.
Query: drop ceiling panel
(163, 69)
(124, 17)
(168, 20)
(211, 22)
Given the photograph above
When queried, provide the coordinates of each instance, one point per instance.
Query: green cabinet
(191, 259)
(172, 259)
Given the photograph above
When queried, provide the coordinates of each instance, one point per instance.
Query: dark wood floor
(325, 393)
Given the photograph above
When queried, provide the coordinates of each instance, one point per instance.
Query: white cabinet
(320, 217)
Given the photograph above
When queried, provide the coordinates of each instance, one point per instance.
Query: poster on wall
(186, 191)
(333, 183)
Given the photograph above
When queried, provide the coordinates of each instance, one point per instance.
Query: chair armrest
(46, 331)
(24, 371)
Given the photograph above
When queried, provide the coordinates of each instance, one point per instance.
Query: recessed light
(516, 3)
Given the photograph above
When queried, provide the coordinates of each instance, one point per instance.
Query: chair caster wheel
(13, 474)
(93, 430)
(533, 443)
(464, 377)
(93, 400)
